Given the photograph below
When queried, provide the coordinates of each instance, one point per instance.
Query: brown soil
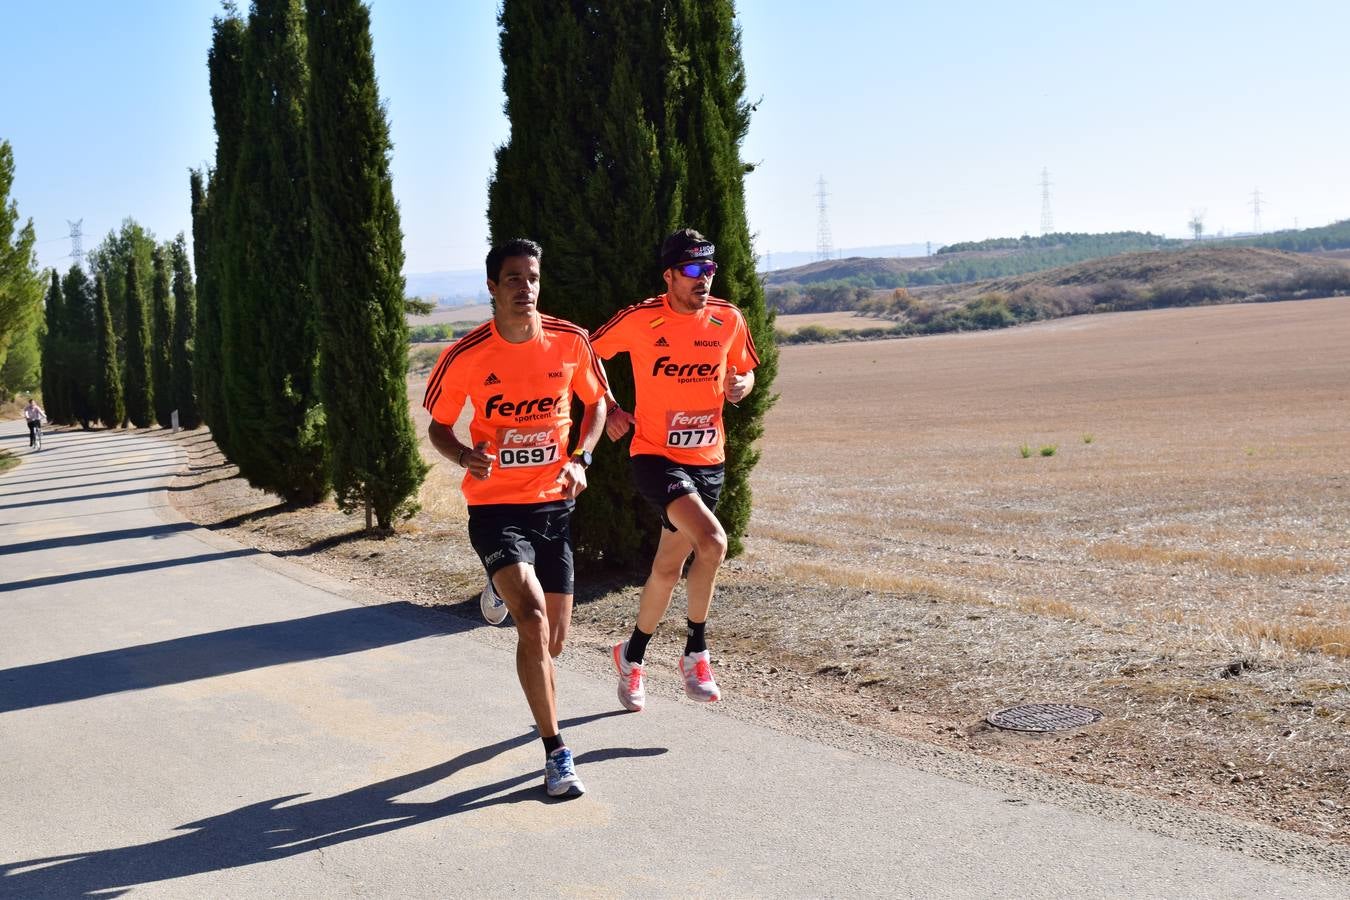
(1181, 561)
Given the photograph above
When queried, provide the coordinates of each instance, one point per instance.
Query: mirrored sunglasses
(697, 269)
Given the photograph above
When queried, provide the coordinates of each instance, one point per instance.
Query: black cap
(683, 246)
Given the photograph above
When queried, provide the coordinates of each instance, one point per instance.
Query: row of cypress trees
(626, 123)
(301, 342)
(135, 368)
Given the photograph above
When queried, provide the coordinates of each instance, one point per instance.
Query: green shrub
(1049, 450)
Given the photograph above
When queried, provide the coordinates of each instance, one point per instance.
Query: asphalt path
(182, 716)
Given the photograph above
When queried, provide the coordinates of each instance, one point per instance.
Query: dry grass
(832, 575)
(1231, 562)
(835, 320)
(1333, 640)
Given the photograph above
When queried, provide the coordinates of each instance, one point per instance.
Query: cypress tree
(137, 386)
(211, 235)
(54, 386)
(111, 410)
(161, 341)
(708, 123)
(626, 123)
(184, 323)
(356, 270)
(20, 289)
(82, 333)
(579, 174)
(269, 349)
(111, 257)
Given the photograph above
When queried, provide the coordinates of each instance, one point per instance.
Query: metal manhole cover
(1044, 717)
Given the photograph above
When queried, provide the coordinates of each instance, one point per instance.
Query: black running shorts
(538, 534)
(659, 481)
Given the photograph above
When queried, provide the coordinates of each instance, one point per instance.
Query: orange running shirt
(521, 396)
(679, 366)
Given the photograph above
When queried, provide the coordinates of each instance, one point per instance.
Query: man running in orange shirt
(689, 352)
(519, 371)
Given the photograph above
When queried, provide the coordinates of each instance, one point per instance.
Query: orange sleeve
(445, 394)
(589, 383)
(741, 353)
(610, 339)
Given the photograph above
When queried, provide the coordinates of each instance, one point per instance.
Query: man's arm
(573, 475)
(618, 420)
(739, 385)
(476, 459)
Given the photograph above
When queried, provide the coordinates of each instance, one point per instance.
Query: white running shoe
(492, 606)
(560, 775)
(632, 687)
(699, 685)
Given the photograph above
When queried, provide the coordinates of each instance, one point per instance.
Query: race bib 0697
(526, 447)
(694, 428)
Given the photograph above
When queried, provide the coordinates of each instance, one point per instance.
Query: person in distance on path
(33, 415)
(519, 371)
(690, 352)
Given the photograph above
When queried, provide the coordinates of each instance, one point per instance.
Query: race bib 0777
(694, 428)
(526, 447)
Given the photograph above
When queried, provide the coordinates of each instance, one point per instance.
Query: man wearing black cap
(690, 352)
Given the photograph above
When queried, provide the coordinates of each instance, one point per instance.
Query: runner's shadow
(279, 828)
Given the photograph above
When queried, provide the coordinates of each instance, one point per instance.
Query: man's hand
(738, 385)
(572, 478)
(618, 423)
(479, 462)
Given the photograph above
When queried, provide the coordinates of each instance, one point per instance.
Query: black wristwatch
(582, 456)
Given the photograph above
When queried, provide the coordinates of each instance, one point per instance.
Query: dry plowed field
(1181, 561)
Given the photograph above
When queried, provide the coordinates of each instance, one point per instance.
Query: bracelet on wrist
(460, 459)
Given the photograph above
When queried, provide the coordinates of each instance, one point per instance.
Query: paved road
(184, 717)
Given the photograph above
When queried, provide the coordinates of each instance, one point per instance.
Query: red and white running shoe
(698, 678)
(632, 688)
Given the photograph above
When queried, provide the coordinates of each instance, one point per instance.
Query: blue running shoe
(560, 776)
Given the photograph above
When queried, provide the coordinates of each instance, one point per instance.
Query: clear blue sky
(928, 121)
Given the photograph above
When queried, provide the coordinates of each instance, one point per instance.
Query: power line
(1256, 210)
(824, 248)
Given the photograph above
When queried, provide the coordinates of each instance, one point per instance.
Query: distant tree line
(1335, 236)
(117, 346)
(446, 331)
(302, 343)
(1105, 244)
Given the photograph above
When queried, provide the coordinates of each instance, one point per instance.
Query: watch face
(583, 457)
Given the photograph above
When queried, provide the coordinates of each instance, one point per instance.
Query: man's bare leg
(520, 590)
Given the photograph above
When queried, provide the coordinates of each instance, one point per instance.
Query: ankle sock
(694, 642)
(553, 743)
(637, 646)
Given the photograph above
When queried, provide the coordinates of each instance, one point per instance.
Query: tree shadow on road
(225, 652)
(279, 828)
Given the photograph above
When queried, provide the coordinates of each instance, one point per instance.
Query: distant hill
(1195, 276)
(954, 264)
(1230, 271)
(787, 259)
(1191, 277)
(451, 288)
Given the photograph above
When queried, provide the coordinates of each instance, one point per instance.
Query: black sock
(694, 642)
(637, 646)
(553, 743)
